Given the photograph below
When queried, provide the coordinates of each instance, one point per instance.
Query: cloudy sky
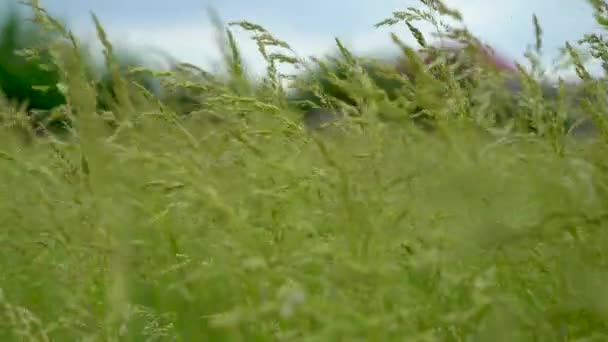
(183, 28)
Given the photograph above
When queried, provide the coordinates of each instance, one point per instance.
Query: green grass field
(179, 229)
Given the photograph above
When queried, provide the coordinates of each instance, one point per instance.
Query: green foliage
(165, 228)
(30, 74)
(415, 85)
(27, 76)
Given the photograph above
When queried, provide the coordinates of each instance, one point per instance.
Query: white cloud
(506, 25)
(196, 43)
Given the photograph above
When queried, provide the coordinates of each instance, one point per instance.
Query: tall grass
(164, 227)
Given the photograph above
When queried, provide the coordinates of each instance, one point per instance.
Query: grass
(173, 228)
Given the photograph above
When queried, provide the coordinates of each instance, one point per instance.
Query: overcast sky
(182, 27)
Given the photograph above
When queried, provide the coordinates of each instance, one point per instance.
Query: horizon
(182, 27)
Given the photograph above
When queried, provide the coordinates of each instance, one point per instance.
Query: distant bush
(30, 77)
(419, 81)
(27, 74)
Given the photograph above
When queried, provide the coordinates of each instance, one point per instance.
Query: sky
(182, 27)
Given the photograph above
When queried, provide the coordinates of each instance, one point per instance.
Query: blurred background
(183, 28)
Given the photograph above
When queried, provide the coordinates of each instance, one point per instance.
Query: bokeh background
(182, 27)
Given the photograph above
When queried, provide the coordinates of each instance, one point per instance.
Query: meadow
(210, 213)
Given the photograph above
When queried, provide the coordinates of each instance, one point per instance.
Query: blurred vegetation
(405, 88)
(185, 205)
